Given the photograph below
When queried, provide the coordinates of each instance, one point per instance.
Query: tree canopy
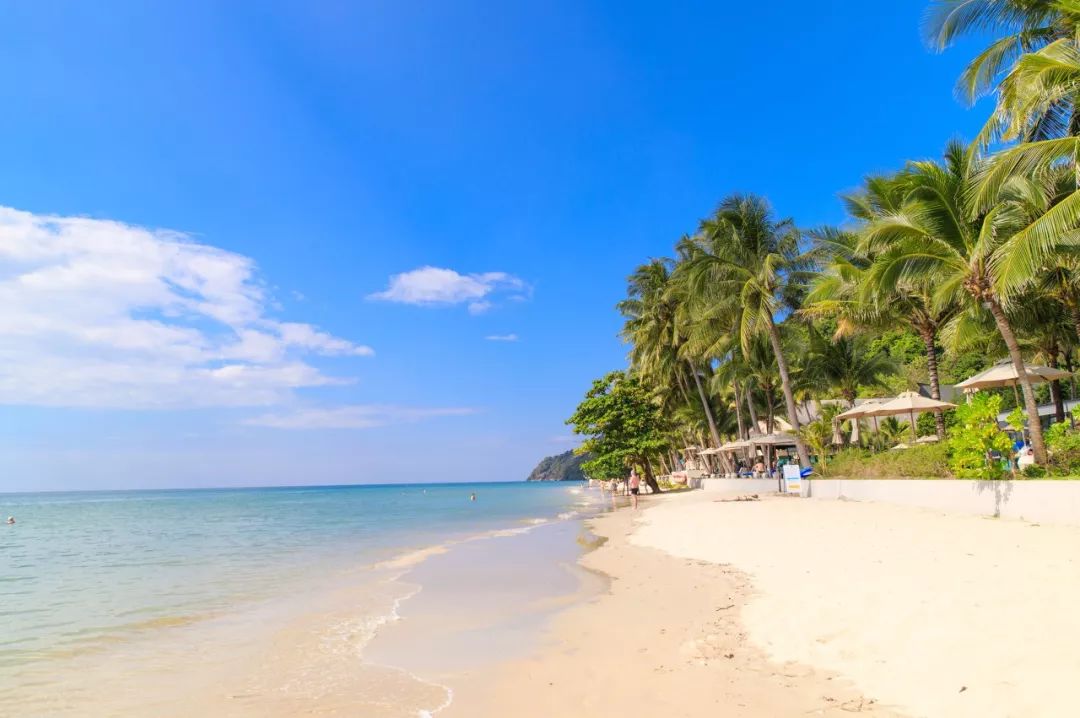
(942, 267)
(623, 426)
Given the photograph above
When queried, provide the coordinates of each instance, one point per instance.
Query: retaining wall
(1038, 501)
(741, 486)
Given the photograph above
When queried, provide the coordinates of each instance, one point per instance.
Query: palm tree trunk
(705, 405)
(1055, 392)
(928, 338)
(1074, 314)
(682, 386)
(738, 411)
(1074, 311)
(1059, 402)
(789, 396)
(1032, 409)
(650, 480)
(753, 412)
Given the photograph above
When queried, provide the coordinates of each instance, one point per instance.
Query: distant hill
(564, 467)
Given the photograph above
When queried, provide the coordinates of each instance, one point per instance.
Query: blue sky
(219, 215)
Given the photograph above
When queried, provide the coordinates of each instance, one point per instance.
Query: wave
(442, 706)
(414, 557)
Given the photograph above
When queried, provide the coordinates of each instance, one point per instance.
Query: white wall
(1037, 501)
(741, 486)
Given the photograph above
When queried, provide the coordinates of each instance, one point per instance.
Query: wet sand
(665, 639)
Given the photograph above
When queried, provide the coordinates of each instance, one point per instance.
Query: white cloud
(479, 307)
(364, 416)
(433, 286)
(103, 314)
(502, 337)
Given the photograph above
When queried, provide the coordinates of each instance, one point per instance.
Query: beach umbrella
(709, 452)
(837, 436)
(734, 446)
(1004, 374)
(860, 410)
(773, 440)
(910, 403)
(857, 412)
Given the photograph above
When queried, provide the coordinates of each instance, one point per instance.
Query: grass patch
(925, 461)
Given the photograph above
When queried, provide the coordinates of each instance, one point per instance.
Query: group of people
(762, 470)
(633, 486)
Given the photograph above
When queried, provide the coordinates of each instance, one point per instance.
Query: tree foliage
(623, 426)
(976, 437)
(943, 267)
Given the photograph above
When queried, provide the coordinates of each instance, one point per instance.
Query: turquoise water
(79, 571)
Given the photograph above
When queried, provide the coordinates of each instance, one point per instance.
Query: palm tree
(845, 363)
(890, 432)
(731, 375)
(763, 381)
(653, 330)
(750, 265)
(1035, 70)
(1028, 26)
(1048, 334)
(936, 237)
(842, 292)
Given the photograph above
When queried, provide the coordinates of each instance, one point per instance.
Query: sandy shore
(666, 639)
(935, 614)
(794, 607)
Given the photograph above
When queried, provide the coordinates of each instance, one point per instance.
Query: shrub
(818, 436)
(975, 436)
(1034, 472)
(925, 461)
(926, 423)
(1064, 445)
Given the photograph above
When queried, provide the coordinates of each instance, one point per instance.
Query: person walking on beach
(635, 486)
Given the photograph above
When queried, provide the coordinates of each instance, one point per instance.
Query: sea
(344, 600)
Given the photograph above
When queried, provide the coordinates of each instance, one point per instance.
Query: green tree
(891, 432)
(1028, 65)
(846, 363)
(846, 289)
(935, 234)
(623, 426)
(975, 435)
(653, 329)
(818, 436)
(749, 265)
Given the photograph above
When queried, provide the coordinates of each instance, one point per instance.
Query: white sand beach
(796, 607)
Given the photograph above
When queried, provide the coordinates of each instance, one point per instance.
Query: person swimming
(472, 497)
(10, 519)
